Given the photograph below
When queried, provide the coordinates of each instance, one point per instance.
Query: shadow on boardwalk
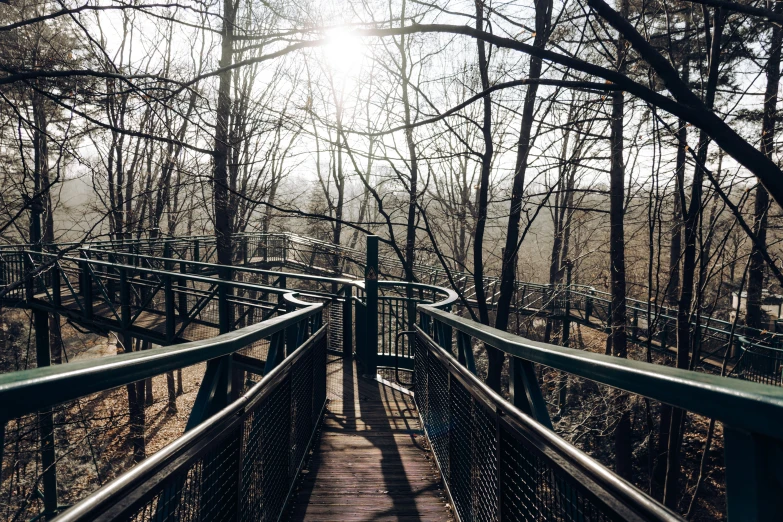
(372, 460)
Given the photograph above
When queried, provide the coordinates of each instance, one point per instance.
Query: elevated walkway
(283, 425)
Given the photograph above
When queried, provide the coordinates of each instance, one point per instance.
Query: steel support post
(46, 419)
(170, 307)
(125, 309)
(361, 338)
(348, 323)
(754, 487)
(111, 284)
(292, 333)
(182, 293)
(565, 341)
(85, 286)
(281, 283)
(371, 313)
(525, 392)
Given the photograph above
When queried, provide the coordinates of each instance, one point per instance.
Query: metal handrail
(721, 398)
(158, 467)
(32, 390)
(579, 463)
(584, 291)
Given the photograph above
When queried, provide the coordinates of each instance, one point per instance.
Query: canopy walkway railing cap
(450, 296)
(755, 407)
(107, 496)
(29, 391)
(156, 272)
(291, 275)
(644, 505)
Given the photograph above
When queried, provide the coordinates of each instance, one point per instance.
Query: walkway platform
(372, 461)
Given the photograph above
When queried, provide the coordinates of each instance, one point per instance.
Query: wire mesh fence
(495, 462)
(239, 465)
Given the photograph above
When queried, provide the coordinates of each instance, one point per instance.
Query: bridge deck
(372, 461)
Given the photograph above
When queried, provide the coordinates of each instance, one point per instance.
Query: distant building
(771, 307)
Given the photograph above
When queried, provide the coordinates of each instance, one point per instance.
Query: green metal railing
(241, 464)
(113, 289)
(751, 413)
(38, 392)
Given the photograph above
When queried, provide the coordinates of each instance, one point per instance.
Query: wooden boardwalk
(372, 461)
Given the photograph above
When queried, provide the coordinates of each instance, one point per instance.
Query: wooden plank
(372, 461)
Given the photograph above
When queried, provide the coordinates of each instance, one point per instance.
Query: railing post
(291, 333)
(465, 351)
(443, 333)
(46, 419)
(525, 392)
(166, 255)
(111, 287)
(224, 315)
(85, 286)
(360, 324)
(348, 323)
(170, 307)
(183, 296)
(56, 296)
(424, 320)
(753, 487)
(281, 283)
(125, 310)
(371, 313)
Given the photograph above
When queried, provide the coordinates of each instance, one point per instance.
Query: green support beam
(371, 311)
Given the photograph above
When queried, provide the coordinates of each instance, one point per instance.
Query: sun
(343, 52)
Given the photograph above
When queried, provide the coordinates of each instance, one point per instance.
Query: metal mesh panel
(319, 380)
(275, 416)
(438, 417)
(461, 463)
(534, 489)
(301, 409)
(520, 477)
(243, 466)
(420, 381)
(485, 473)
(491, 461)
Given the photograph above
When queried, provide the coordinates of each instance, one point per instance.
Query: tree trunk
(617, 334)
(509, 264)
(753, 317)
(691, 222)
(494, 356)
(220, 182)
